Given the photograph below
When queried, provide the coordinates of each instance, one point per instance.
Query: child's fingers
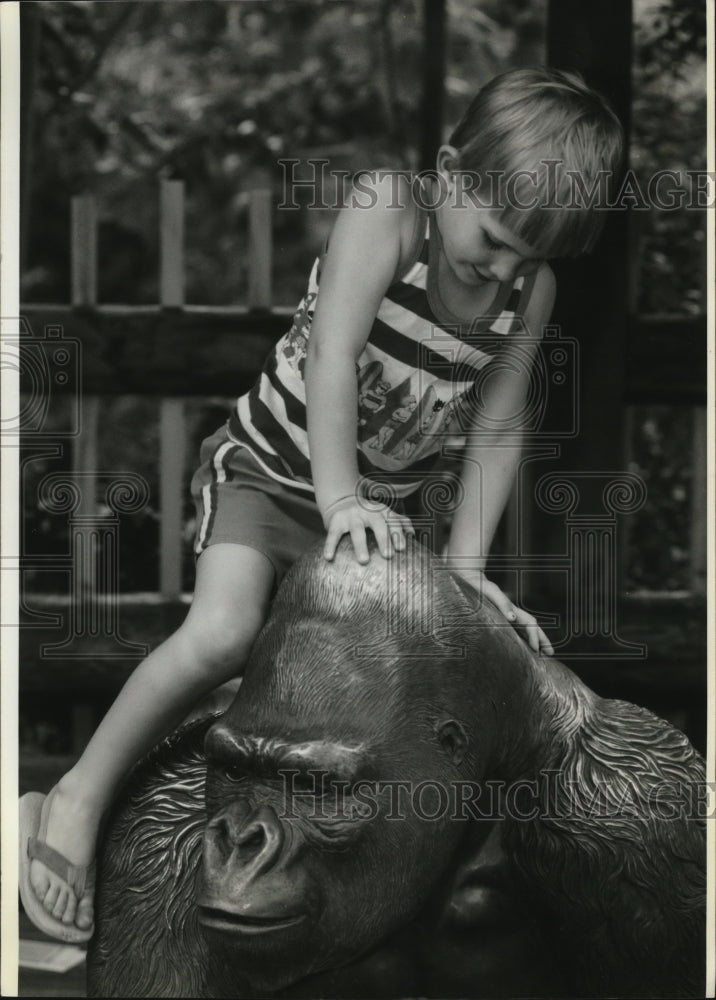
(388, 528)
(521, 619)
(382, 530)
(527, 623)
(395, 533)
(536, 638)
(360, 543)
(335, 533)
(399, 526)
(493, 593)
(545, 645)
(405, 523)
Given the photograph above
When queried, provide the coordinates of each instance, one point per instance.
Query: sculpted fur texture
(403, 800)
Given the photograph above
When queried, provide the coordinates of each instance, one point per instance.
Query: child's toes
(58, 910)
(84, 915)
(50, 897)
(68, 917)
(39, 880)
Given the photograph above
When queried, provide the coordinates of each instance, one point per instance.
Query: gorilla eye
(234, 772)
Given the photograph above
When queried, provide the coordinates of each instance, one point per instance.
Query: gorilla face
(329, 793)
(335, 863)
(332, 778)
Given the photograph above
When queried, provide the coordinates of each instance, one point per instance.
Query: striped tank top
(418, 378)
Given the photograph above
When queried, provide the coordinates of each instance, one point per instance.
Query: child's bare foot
(72, 826)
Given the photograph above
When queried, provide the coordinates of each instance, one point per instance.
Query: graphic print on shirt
(407, 432)
(417, 379)
(295, 342)
(372, 389)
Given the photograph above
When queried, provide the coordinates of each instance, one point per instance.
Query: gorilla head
(349, 849)
(330, 788)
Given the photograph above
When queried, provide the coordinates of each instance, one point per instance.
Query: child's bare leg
(230, 605)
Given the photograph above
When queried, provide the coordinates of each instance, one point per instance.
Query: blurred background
(216, 92)
(118, 98)
(119, 95)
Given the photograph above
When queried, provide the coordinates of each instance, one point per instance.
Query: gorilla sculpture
(403, 800)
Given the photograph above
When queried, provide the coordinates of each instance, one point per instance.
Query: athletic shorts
(236, 501)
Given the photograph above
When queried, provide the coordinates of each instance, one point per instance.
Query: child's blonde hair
(549, 123)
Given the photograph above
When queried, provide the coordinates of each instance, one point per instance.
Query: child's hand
(522, 620)
(350, 516)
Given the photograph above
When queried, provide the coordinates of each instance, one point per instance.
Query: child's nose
(505, 267)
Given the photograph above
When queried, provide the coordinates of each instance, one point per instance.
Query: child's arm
(365, 251)
(492, 458)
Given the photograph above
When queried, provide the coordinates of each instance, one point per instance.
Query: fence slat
(85, 447)
(83, 258)
(83, 250)
(171, 243)
(260, 248)
(172, 421)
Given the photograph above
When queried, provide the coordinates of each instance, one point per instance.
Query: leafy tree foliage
(669, 113)
(216, 93)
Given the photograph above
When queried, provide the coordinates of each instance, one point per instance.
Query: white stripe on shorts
(218, 463)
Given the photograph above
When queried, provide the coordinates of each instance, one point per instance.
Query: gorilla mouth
(238, 923)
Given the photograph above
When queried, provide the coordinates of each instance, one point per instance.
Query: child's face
(479, 248)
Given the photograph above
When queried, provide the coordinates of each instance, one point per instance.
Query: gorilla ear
(453, 739)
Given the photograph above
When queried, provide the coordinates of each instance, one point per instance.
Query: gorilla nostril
(252, 840)
(220, 833)
(219, 827)
(261, 841)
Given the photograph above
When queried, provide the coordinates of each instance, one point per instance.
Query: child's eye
(490, 243)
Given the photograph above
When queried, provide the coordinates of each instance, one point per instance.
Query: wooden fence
(173, 351)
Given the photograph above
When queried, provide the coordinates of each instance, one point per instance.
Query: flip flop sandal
(34, 813)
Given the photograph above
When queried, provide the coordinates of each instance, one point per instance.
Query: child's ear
(447, 161)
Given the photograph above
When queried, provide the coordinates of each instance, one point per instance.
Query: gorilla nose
(255, 840)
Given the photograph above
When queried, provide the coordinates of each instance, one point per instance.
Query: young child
(351, 391)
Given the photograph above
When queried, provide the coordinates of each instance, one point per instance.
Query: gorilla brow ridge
(270, 752)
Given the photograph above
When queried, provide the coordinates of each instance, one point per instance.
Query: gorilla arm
(596, 841)
(615, 858)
